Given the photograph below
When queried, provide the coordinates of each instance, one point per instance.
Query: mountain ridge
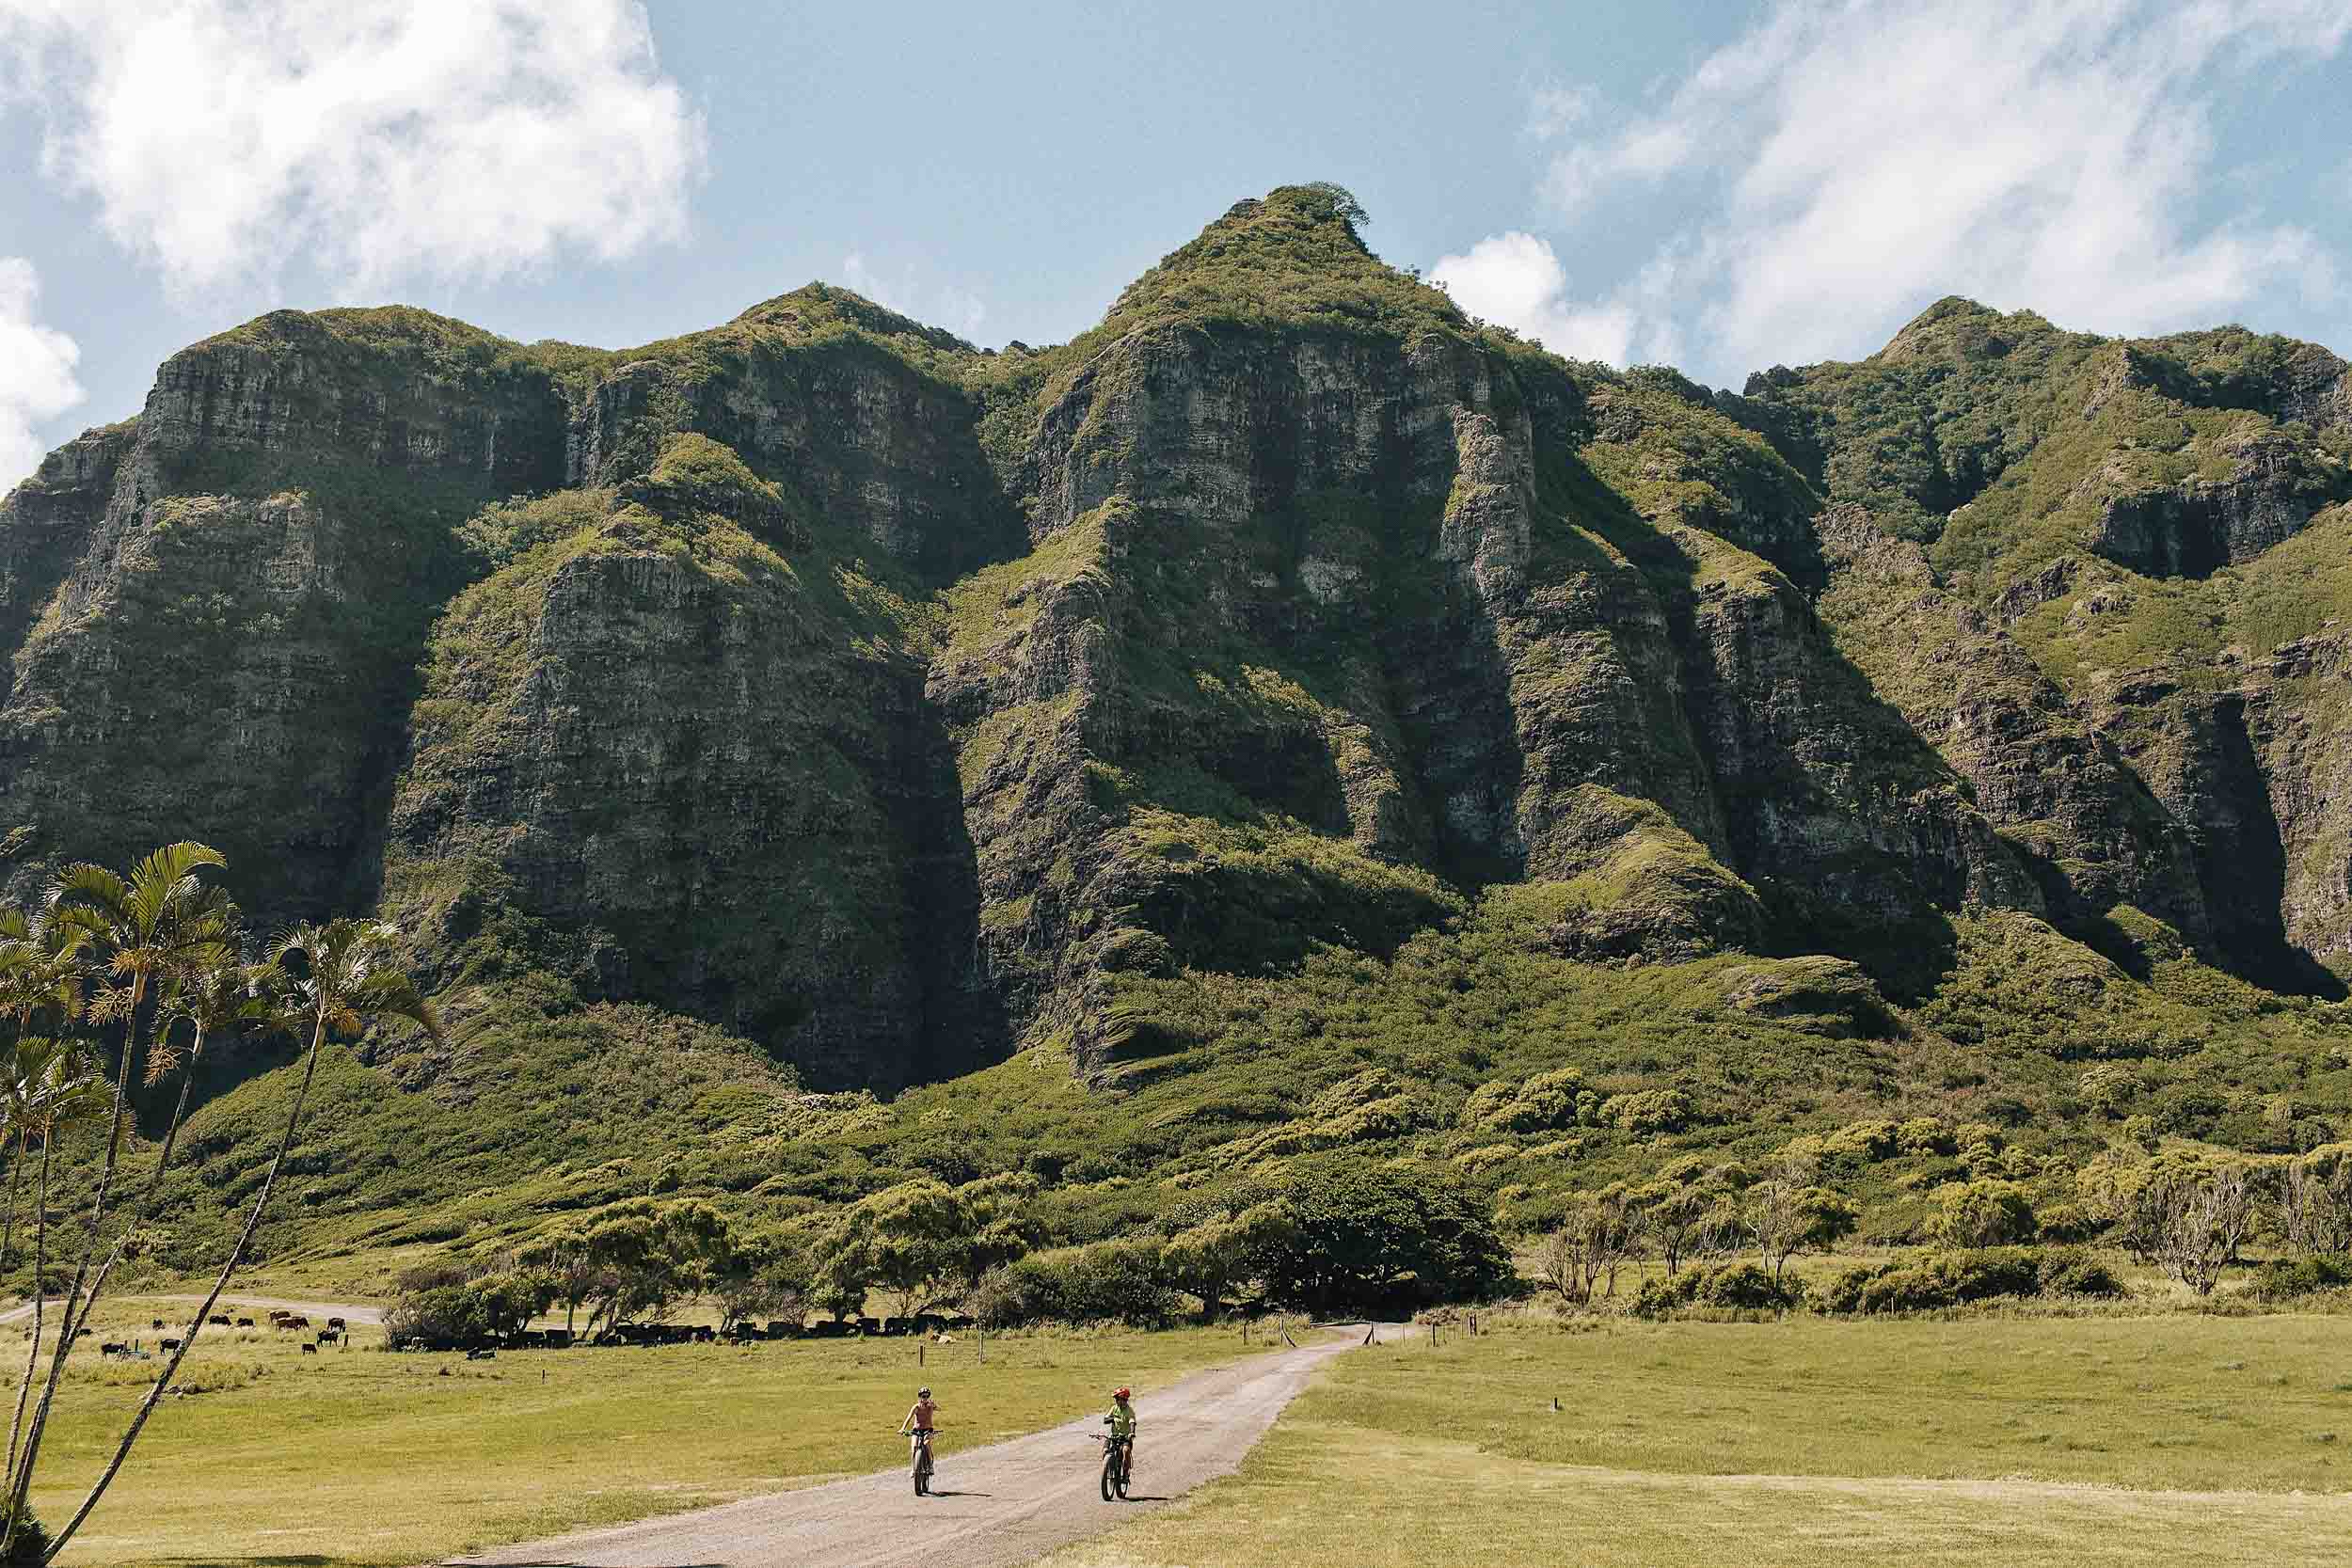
(894, 711)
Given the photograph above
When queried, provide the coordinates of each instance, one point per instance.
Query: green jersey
(1123, 1420)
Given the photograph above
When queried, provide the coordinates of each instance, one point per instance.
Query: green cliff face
(2135, 544)
(1263, 723)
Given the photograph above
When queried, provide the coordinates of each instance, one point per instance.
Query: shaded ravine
(995, 1506)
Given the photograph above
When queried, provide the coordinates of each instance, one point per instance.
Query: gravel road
(995, 1506)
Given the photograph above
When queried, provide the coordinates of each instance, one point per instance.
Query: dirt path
(995, 1506)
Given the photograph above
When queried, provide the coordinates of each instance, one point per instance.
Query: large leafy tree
(922, 1241)
(1365, 1237)
(635, 1258)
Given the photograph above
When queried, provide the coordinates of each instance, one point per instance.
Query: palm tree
(215, 993)
(145, 928)
(47, 1087)
(40, 967)
(339, 978)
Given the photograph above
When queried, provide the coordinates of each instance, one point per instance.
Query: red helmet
(1120, 1394)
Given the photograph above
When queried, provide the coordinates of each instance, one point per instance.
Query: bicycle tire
(1110, 1473)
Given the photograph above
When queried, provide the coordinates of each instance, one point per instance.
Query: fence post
(1433, 1331)
(919, 1348)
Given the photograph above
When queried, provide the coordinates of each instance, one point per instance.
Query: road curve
(997, 1506)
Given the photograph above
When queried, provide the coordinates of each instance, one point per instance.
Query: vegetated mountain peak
(1959, 329)
(1290, 705)
(814, 306)
(1295, 256)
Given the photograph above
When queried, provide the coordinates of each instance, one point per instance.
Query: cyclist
(918, 1424)
(1122, 1424)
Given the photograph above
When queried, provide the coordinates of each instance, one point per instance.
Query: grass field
(364, 1458)
(2050, 1443)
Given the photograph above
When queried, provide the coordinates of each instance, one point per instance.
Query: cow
(309, 1349)
(245, 1322)
(169, 1344)
(328, 1336)
(334, 1322)
(296, 1322)
(113, 1348)
(218, 1320)
(157, 1323)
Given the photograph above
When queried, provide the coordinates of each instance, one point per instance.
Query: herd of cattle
(334, 1333)
(926, 1323)
(931, 1324)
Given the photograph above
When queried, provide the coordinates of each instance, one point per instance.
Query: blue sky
(1720, 187)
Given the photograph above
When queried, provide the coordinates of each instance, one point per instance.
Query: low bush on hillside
(1743, 1287)
(2284, 1279)
(1976, 1273)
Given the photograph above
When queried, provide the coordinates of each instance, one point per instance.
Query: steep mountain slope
(2149, 533)
(1292, 715)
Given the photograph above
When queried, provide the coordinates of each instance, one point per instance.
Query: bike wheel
(1111, 1476)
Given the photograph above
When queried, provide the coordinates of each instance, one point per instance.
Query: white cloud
(1517, 281)
(455, 139)
(35, 372)
(1846, 161)
(949, 305)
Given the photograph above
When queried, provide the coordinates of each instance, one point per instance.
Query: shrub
(1978, 1274)
(1728, 1286)
(2284, 1279)
(1949, 1278)
(1648, 1112)
(1983, 1213)
(2068, 1222)
(1116, 1281)
(2075, 1271)
(31, 1545)
(1925, 1135)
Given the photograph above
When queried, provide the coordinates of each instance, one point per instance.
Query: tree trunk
(154, 1188)
(32, 1351)
(69, 1318)
(236, 1256)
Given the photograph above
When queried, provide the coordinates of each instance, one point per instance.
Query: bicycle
(1117, 1452)
(922, 1462)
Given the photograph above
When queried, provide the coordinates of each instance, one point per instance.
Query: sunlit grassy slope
(2059, 1444)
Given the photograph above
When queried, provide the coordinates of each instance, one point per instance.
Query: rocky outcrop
(47, 523)
(2195, 527)
(846, 404)
(228, 652)
(658, 757)
(2069, 806)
